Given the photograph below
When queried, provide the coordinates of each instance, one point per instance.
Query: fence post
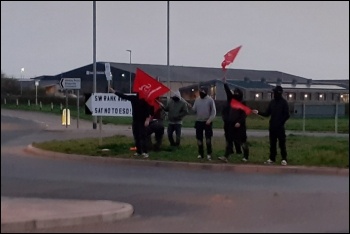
(304, 117)
(16, 101)
(336, 118)
(28, 102)
(51, 106)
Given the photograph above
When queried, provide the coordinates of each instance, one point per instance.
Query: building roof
(244, 77)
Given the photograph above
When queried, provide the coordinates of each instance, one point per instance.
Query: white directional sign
(70, 83)
(108, 72)
(108, 104)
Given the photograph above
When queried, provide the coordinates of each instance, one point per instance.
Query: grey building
(256, 84)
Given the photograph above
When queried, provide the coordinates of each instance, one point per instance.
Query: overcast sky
(307, 39)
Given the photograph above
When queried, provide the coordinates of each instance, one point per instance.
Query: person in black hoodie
(141, 115)
(228, 130)
(236, 130)
(278, 109)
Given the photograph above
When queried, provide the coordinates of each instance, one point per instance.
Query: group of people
(148, 120)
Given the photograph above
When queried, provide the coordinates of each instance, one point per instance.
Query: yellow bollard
(66, 117)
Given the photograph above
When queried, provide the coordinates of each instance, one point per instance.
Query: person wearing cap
(177, 110)
(278, 109)
(205, 109)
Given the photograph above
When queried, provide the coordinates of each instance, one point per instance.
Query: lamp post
(130, 71)
(20, 82)
(36, 92)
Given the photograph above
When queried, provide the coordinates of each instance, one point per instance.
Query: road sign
(97, 73)
(108, 72)
(108, 104)
(70, 83)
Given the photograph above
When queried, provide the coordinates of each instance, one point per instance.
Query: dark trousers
(156, 127)
(177, 129)
(280, 135)
(140, 137)
(230, 141)
(208, 133)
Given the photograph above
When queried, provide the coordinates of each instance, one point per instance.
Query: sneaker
(269, 161)
(137, 154)
(284, 163)
(145, 155)
(209, 157)
(223, 158)
(200, 156)
(244, 160)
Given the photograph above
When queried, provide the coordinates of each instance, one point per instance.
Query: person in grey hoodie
(177, 110)
(205, 109)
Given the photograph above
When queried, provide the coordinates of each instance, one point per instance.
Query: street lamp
(36, 92)
(130, 71)
(20, 82)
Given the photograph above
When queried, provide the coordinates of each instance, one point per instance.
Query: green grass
(253, 121)
(302, 150)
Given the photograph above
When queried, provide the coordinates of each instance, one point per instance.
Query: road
(172, 199)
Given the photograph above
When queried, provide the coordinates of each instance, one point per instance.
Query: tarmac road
(179, 197)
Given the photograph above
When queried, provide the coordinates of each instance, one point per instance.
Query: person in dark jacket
(141, 114)
(278, 109)
(228, 131)
(236, 130)
(177, 109)
(156, 126)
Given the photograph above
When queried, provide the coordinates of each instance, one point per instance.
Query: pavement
(30, 214)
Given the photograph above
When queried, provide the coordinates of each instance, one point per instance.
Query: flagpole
(168, 18)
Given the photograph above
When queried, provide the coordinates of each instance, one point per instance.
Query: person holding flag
(141, 115)
(228, 129)
(236, 130)
(147, 89)
(278, 110)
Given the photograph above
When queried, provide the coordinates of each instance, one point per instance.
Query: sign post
(71, 84)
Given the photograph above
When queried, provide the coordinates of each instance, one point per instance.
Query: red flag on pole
(147, 87)
(238, 105)
(229, 57)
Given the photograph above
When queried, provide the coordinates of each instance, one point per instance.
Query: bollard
(51, 106)
(17, 102)
(61, 106)
(41, 106)
(28, 102)
(5, 101)
(66, 117)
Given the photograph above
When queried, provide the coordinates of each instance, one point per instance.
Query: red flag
(229, 57)
(147, 87)
(238, 105)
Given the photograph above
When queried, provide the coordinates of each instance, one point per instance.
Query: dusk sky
(307, 39)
